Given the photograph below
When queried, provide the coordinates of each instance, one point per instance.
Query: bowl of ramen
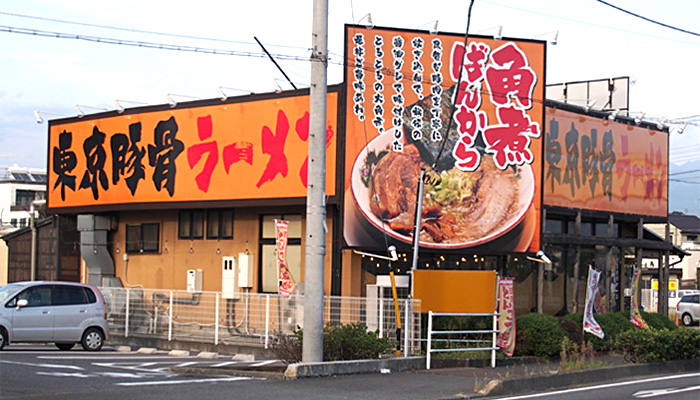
(460, 209)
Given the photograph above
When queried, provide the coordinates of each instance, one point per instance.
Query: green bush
(612, 324)
(651, 345)
(353, 342)
(538, 335)
(573, 330)
(340, 342)
(658, 321)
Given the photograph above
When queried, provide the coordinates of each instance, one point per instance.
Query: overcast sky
(52, 75)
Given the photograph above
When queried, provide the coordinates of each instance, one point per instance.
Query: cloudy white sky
(53, 75)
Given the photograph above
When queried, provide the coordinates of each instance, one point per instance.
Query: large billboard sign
(240, 149)
(598, 164)
(401, 92)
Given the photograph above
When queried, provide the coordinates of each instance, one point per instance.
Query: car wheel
(3, 338)
(65, 346)
(687, 319)
(93, 339)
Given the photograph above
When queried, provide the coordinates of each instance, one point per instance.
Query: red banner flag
(285, 279)
(506, 321)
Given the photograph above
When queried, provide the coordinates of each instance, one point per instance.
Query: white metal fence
(250, 317)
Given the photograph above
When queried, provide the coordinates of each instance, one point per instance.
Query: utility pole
(316, 191)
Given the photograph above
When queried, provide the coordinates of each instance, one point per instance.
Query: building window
(13, 222)
(24, 197)
(220, 224)
(22, 222)
(554, 226)
(269, 280)
(143, 238)
(191, 224)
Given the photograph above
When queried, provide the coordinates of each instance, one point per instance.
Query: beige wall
(168, 268)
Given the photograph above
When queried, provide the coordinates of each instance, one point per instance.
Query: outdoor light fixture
(392, 253)
(682, 128)
(223, 95)
(81, 114)
(613, 115)
(369, 23)
(120, 108)
(638, 120)
(497, 35)
(40, 120)
(173, 103)
(278, 88)
(540, 257)
(660, 125)
(553, 40)
(589, 105)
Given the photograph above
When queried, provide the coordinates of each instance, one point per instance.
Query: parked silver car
(688, 309)
(64, 313)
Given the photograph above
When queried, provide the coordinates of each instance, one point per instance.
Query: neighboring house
(685, 233)
(18, 188)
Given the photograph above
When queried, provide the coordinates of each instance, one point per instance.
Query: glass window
(220, 224)
(143, 238)
(37, 296)
(601, 229)
(191, 224)
(268, 264)
(554, 226)
(68, 295)
(24, 197)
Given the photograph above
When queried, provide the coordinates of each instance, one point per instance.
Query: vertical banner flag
(589, 323)
(506, 321)
(635, 315)
(285, 279)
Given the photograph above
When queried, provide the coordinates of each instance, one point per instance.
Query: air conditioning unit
(229, 278)
(194, 280)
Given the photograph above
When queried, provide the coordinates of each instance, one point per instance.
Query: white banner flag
(589, 323)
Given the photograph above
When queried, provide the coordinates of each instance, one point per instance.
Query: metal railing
(248, 318)
(493, 332)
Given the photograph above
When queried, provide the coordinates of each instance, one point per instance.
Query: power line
(148, 45)
(141, 30)
(647, 19)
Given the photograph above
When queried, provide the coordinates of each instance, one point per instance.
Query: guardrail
(493, 332)
(249, 317)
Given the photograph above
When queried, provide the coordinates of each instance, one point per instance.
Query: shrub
(612, 324)
(538, 335)
(658, 321)
(651, 345)
(340, 342)
(353, 342)
(573, 330)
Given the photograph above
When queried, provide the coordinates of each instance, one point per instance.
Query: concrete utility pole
(316, 191)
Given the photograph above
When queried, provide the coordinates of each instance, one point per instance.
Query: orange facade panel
(254, 149)
(597, 164)
(401, 97)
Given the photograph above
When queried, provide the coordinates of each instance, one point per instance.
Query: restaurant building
(166, 196)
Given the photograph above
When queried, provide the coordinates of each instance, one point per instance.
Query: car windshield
(9, 290)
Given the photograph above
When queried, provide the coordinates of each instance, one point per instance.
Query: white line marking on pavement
(260, 364)
(185, 364)
(662, 392)
(605, 386)
(223, 364)
(178, 382)
(42, 365)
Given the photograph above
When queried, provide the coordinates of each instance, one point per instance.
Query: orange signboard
(447, 291)
(212, 150)
(597, 164)
(401, 97)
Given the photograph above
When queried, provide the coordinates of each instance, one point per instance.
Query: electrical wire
(141, 30)
(148, 45)
(647, 19)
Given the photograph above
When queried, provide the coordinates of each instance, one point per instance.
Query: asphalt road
(44, 372)
(673, 387)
